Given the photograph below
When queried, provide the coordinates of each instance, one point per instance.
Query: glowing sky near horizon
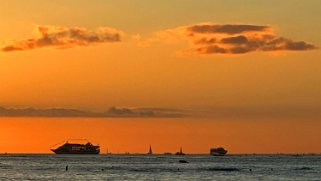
(244, 58)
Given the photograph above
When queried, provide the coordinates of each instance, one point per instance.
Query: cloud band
(62, 37)
(211, 38)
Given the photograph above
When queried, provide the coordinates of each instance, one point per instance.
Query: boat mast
(150, 150)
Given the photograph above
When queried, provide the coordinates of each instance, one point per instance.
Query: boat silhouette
(76, 148)
(180, 152)
(150, 152)
(220, 151)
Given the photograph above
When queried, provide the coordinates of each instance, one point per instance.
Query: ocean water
(159, 167)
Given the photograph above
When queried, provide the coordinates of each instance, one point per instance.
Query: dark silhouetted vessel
(77, 148)
(220, 151)
(180, 152)
(150, 152)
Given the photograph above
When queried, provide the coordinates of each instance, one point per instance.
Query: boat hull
(218, 151)
(216, 154)
(75, 152)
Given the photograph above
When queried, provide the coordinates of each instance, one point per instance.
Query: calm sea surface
(159, 167)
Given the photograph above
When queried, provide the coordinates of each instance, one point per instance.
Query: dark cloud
(241, 45)
(61, 37)
(212, 49)
(235, 40)
(226, 29)
(281, 43)
(300, 45)
(211, 38)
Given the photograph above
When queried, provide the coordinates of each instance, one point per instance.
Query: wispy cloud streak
(63, 37)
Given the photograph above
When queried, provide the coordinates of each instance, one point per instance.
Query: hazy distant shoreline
(111, 112)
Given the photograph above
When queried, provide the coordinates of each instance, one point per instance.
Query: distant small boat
(180, 152)
(220, 151)
(150, 152)
(107, 152)
(77, 148)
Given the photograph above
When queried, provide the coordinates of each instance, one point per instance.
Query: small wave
(5, 167)
(228, 169)
(152, 170)
(303, 168)
(143, 169)
(45, 168)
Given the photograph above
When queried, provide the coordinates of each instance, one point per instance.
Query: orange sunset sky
(245, 74)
